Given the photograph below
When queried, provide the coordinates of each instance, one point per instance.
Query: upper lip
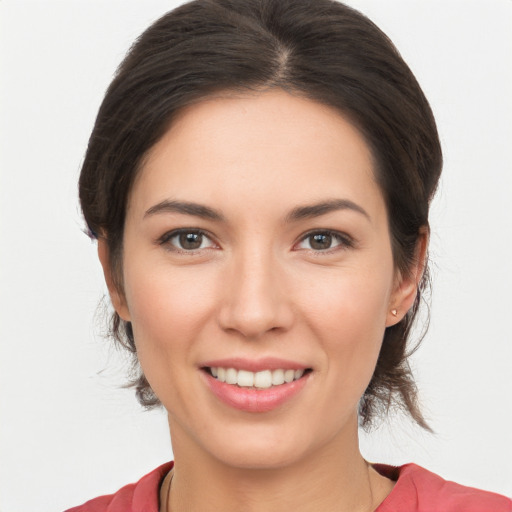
(255, 365)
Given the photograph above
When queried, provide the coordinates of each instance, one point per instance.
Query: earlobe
(116, 296)
(402, 300)
(406, 287)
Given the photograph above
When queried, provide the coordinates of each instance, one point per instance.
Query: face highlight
(258, 277)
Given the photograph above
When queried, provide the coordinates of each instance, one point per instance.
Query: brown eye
(186, 240)
(320, 241)
(325, 240)
(190, 241)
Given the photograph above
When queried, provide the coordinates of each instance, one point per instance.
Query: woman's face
(256, 248)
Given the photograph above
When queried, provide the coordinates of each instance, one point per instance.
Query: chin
(263, 446)
(259, 457)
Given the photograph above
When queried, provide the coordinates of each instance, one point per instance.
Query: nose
(255, 298)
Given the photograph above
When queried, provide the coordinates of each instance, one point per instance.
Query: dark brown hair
(320, 49)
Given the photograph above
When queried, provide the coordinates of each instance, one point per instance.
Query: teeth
(289, 375)
(261, 380)
(231, 376)
(278, 377)
(245, 379)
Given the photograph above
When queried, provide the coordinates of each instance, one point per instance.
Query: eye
(324, 240)
(187, 240)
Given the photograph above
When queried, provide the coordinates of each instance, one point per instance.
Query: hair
(320, 49)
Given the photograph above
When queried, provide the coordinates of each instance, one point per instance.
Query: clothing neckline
(391, 472)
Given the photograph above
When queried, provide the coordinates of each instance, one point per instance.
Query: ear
(116, 296)
(406, 287)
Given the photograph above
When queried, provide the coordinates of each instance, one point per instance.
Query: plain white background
(68, 431)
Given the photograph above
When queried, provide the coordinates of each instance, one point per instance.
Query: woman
(259, 180)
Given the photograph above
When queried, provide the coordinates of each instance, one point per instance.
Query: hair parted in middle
(318, 49)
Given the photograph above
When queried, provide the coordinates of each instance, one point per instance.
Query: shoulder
(141, 496)
(419, 490)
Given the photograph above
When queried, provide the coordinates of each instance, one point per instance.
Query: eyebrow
(185, 207)
(324, 207)
(298, 213)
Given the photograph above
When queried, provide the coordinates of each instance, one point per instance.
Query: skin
(258, 287)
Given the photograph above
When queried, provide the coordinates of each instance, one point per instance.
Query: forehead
(264, 146)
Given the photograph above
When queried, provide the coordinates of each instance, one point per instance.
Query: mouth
(255, 386)
(260, 380)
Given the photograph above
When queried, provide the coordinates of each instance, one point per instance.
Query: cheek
(348, 315)
(168, 308)
(351, 301)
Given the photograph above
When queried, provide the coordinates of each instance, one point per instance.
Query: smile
(255, 386)
(259, 380)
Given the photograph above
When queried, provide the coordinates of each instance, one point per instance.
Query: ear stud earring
(394, 312)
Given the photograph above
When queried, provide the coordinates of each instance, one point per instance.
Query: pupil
(321, 241)
(191, 240)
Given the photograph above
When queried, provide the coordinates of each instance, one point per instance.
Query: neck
(334, 478)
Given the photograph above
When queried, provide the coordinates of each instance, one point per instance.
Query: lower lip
(255, 400)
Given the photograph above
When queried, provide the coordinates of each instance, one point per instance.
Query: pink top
(416, 490)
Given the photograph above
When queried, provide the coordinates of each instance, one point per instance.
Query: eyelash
(344, 241)
(167, 237)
